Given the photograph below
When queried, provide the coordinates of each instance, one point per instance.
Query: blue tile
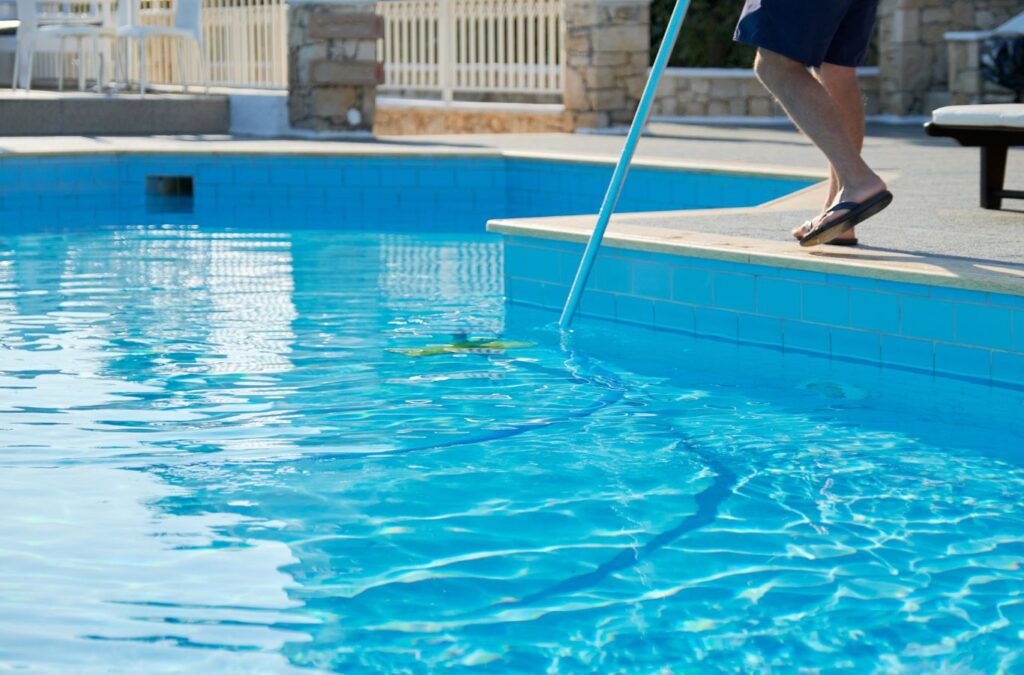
(716, 323)
(735, 291)
(215, 174)
(652, 280)
(798, 275)
(540, 264)
(634, 310)
(760, 330)
(673, 316)
(326, 176)
(762, 270)
(776, 297)
(106, 172)
(665, 259)
(72, 174)
(984, 326)
(524, 291)
(567, 247)
(965, 361)
(420, 198)
(908, 353)
(926, 318)
(807, 337)
(1008, 367)
(250, 175)
(713, 265)
(904, 288)
(875, 311)
(958, 294)
(612, 274)
(288, 174)
(856, 344)
(826, 304)
(692, 286)
(644, 256)
(1018, 331)
(597, 304)
(364, 176)
(433, 177)
(1006, 300)
(476, 177)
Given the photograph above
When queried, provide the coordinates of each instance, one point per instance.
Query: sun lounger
(994, 129)
(8, 24)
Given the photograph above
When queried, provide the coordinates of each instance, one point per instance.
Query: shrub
(705, 40)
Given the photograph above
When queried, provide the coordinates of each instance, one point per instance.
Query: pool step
(51, 113)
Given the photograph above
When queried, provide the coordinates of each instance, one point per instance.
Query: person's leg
(814, 110)
(842, 85)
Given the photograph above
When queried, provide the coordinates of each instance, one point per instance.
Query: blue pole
(611, 197)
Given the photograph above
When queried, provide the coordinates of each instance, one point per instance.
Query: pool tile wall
(441, 193)
(352, 192)
(962, 333)
(542, 187)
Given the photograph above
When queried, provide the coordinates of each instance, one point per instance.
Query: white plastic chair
(187, 28)
(125, 17)
(60, 26)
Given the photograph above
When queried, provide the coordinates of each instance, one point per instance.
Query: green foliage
(706, 37)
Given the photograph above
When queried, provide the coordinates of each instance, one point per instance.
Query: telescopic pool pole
(611, 197)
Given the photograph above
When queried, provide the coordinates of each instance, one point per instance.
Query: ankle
(870, 182)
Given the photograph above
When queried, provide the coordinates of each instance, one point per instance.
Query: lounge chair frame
(995, 143)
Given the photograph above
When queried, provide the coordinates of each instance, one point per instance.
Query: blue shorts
(810, 31)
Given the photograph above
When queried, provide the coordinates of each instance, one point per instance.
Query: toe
(800, 232)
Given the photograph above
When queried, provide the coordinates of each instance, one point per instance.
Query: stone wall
(405, 120)
(607, 52)
(966, 85)
(915, 62)
(333, 70)
(713, 92)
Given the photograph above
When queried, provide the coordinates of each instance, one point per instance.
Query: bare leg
(841, 84)
(813, 109)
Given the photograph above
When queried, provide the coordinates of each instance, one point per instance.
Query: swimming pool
(218, 451)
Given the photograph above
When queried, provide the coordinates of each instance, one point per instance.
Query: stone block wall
(607, 52)
(966, 85)
(333, 70)
(915, 60)
(403, 120)
(727, 92)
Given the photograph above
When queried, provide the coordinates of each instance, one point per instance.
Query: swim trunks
(810, 31)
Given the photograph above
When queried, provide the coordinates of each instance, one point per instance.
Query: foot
(833, 189)
(803, 230)
(857, 194)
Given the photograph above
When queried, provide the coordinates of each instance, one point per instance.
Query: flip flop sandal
(857, 212)
(835, 242)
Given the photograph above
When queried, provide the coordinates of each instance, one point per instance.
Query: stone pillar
(606, 61)
(333, 70)
(915, 57)
(965, 82)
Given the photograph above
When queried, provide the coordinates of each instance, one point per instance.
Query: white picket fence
(246, 43)
(472, 46)
(433, 47)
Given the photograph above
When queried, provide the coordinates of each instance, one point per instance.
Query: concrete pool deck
(933, 230)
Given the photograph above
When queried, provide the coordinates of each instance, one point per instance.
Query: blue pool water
(212, 456)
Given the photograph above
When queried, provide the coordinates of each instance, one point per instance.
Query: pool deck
(935, 232)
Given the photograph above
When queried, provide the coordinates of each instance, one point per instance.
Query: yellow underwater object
(464, 345)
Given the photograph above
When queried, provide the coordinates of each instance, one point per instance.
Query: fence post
(445, 49)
